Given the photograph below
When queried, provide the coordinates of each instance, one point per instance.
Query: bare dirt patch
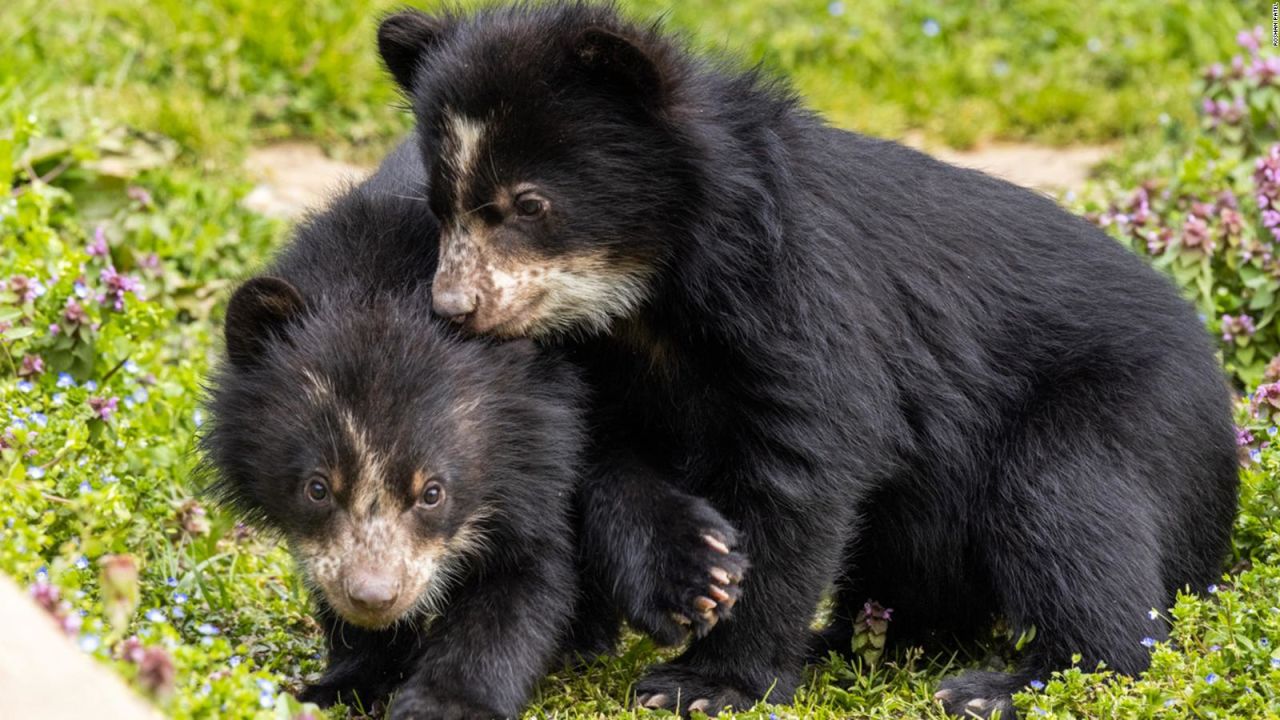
(1039, 167)
(295, 177)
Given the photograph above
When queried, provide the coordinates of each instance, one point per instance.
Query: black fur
(918, 383)
(359, 321)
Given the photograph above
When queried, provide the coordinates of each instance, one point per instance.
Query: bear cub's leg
(670, 558)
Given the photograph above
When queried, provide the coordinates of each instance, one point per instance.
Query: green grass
(216, 75)
(138, 114)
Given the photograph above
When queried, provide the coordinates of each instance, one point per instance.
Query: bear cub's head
(560, 178)
(392, 457)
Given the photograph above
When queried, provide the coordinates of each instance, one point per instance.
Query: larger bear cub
(916, 383)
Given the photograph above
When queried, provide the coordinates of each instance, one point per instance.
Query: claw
(704, 604)
(716, 544)
(681, 619)
(700, 705)
(719, 595)
(656, 701)
(942, 696)
(720, 575)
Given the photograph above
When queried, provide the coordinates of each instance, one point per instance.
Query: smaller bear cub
(422, 482)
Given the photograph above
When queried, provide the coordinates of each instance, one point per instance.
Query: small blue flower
(234, 661)
(179, 597)
(89, 643)
(1211, 678)
(198, 417)
(42, 574)
(1215, 648)
(65, 380)
(40, 419)
(1153, 614)
(178, 613)
(1094, 45)
(171, 582)
(140, 395)
(266, 700)
(207, 629)
(1263, 642)
(1148, 642)
(1272, 430)
(1212, 589)
(25, 386)
(91, 385)
(1036, 685)
(1039, 710)
(109, 478)
(86, 487)
(155, 615)
(82, 563)
(266, 685)
(836, 9)
(931, 28)
(80, 289)
(58, 399)
(130, 366)
(1255, 455)
(35, 471)
(1275, 662)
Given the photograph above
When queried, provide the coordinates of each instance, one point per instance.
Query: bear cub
(905, 380)
(422, 482)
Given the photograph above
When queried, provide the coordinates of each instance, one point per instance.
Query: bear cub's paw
(684, 690)
(979, 694)
(425, 704)
(698, 570)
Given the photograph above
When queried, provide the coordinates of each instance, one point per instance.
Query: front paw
(414, 704)
(697, 571)
(327, 692)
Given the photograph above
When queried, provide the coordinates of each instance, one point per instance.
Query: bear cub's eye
(317, 490)
(530, 204)
(432, 495)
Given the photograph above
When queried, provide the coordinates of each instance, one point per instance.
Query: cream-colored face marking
(460, 152)
(374, 530)
(525, 296)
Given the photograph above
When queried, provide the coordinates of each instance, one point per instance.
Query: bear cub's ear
(622, 63)
(261, 309)
(403, 38)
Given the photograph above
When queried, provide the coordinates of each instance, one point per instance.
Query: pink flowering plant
(1210, 218)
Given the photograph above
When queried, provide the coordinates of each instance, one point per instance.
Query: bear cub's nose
(454, 305)
(372, 591)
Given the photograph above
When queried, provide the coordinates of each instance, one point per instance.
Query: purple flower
(1237, 328)
(1250, 39)
(27, 289)
(1036, 685)
(117, 286)
(98, 246)
(1211, 678)
(75, 313)
(32, 365)
(104, 407)
(156, 671)
(1148, 642)
(1195, 233)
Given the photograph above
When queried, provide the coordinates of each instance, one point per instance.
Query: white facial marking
(463, 136)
